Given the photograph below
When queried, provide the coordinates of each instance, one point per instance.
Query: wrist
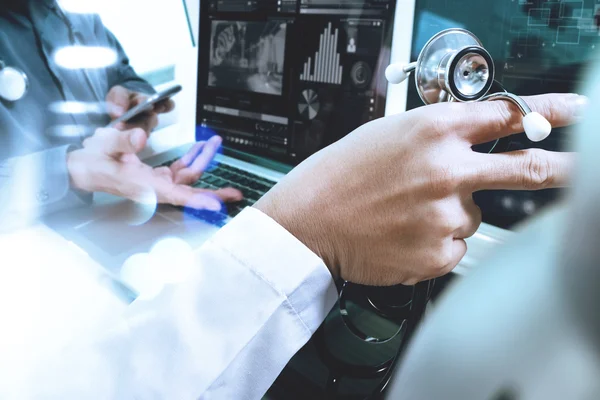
(300, 218)
(76, 170)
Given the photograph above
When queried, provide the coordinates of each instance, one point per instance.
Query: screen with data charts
(282, 79)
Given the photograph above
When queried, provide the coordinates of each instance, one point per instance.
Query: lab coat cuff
(283, 262)
(53, 184)
(34, 185)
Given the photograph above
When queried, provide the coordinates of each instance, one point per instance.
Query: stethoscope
(13, 83)
(454, 66)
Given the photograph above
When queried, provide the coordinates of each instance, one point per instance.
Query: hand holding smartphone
(147, 105)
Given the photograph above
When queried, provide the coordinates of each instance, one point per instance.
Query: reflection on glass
(85, 57)
(169, 261)
(76, 107)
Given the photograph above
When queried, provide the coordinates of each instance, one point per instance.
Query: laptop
(278, 81)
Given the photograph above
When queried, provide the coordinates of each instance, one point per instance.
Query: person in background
(54, 150)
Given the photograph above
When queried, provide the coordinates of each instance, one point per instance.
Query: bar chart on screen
(325, 67)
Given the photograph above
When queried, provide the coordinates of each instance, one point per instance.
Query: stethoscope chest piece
(454, 66)
(13, 83)
(453, 63)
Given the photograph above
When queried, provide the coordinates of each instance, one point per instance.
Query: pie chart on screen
(309, 105)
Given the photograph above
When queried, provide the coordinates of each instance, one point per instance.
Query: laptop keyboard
(221, 176)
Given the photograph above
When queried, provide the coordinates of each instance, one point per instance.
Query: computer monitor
(281, 79)
(539, 46)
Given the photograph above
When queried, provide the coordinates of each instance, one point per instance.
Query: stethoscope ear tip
(395, 73)
(464, 71)
(537, 128)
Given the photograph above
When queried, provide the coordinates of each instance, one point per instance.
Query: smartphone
(147, 105)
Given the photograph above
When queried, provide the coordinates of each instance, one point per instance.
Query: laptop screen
(539, 46)
(282, 79)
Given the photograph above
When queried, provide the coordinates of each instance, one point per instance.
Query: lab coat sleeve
(255, 298)
(34, 185)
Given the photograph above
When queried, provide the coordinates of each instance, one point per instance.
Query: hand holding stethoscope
(13, 83)
(454, 66)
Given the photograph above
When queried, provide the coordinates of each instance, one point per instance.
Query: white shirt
(255, 298)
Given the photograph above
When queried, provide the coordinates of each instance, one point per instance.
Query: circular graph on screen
(361, 74)
(309, 105)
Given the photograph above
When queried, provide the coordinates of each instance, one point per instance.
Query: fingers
(164, 107)
(491, 120)
(164, 172)
(187, 196)
(113, 142)
(158, 181)
(207, 154)
(138, 98)
(458, 251)
(229, 195)
(472, 219)
(121, 126)
(201, 199)
(146, 121)
(532, 169)
(118, 101)
(446, 259)
(188, 157)
(191, 174)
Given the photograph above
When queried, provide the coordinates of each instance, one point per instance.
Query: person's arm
(121, 74)
(225, 333)
(126, 88)
(34, 185)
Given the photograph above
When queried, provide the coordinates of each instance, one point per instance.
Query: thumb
(114, 142)
(118, 101)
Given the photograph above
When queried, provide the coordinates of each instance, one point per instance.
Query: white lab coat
(255, 298)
